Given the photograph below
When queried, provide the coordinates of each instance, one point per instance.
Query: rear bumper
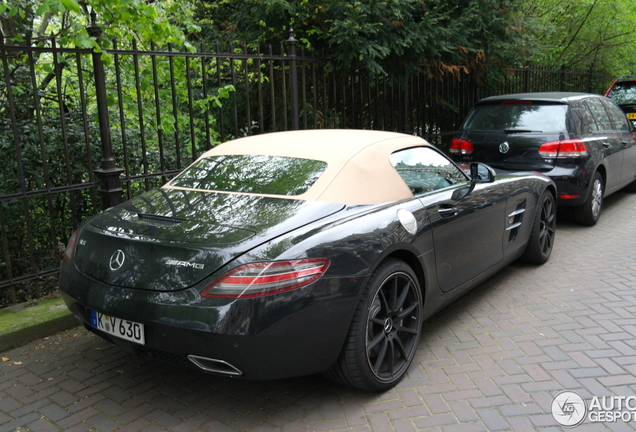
(572, 184)
(572, 177)
(296, 333)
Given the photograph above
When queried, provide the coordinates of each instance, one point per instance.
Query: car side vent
(514, 221)
(159, 219)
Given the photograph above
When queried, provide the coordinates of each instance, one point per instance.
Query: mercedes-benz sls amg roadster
(294, 253)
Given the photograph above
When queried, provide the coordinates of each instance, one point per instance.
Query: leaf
(72, 6)
(5, 359)
(43, 9)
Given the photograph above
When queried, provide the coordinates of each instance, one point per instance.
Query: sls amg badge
(178, 263)
(117, 260)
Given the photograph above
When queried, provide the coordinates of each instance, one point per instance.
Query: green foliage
(382, 37)
(37, 228)
(38, 21)
(161, 117)
(583, 34)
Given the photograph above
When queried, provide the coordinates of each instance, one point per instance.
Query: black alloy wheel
(385, 330)
(543, 232)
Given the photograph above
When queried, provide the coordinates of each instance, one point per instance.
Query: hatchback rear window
(268, 175)
(521, 117)
(624, 92)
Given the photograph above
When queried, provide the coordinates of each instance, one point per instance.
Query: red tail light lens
(460, 146)
(265, 278)
(70, 248)
(563, 149)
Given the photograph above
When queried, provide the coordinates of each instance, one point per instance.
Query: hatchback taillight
(70, 248)
(461, 146)
(572, 148)
(265, 278)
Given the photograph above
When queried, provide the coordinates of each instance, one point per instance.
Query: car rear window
(514, 116)
(268, 175)
(623, 92)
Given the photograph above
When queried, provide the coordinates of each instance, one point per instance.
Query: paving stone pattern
(491, 362)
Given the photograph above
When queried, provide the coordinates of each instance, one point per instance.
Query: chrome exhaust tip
(214, 365)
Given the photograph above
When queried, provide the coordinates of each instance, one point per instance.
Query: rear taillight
(265, 278)
(563, 149)
(70, 248)
(461, 146)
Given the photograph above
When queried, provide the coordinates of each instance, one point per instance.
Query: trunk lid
(169, 239)
(511, 151)
(507, 134)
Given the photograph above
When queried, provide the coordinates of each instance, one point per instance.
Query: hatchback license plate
(631, 116)
(121, 328)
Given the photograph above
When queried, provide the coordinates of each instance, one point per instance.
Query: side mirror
(479, 173)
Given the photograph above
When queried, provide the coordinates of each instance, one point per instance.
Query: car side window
(599, 113)
(580, 120)
(424, 169)
(617, 116)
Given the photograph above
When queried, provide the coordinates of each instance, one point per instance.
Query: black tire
(541, 239)
(589, 212)
(384, 332)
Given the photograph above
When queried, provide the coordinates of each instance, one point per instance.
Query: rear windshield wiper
(520, 130)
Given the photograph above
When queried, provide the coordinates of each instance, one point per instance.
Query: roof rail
(626, 77)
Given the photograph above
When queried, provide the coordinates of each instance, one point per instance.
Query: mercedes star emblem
(504, 147)
(117, 260)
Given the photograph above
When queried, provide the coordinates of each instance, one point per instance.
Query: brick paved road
(493, 361)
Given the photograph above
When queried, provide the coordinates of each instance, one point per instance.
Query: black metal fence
(80, 131)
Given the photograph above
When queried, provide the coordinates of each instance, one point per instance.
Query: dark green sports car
(293, 253)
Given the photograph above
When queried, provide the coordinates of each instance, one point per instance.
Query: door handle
(447, 211)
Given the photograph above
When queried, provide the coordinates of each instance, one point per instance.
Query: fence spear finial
(291, 39)
(93, 28)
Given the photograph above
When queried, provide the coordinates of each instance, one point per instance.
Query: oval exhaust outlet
(214, 365)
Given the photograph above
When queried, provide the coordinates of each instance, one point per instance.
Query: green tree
(382, 37)
(582, 34)
(37, 22)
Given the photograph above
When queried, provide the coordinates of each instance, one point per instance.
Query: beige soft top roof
(359, 170)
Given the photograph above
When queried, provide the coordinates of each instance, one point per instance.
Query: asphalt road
(493, 361)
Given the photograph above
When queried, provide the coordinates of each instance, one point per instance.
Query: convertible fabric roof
(359, 170)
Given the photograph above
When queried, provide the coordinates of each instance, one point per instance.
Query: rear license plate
(121, 328)
(631, 116)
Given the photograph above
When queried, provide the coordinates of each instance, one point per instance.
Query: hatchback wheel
(384, 332)
(589, 212)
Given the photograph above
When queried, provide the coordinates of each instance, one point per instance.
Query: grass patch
(18, 317)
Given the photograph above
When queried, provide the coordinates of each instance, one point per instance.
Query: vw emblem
(504, 147)
(117, 260)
